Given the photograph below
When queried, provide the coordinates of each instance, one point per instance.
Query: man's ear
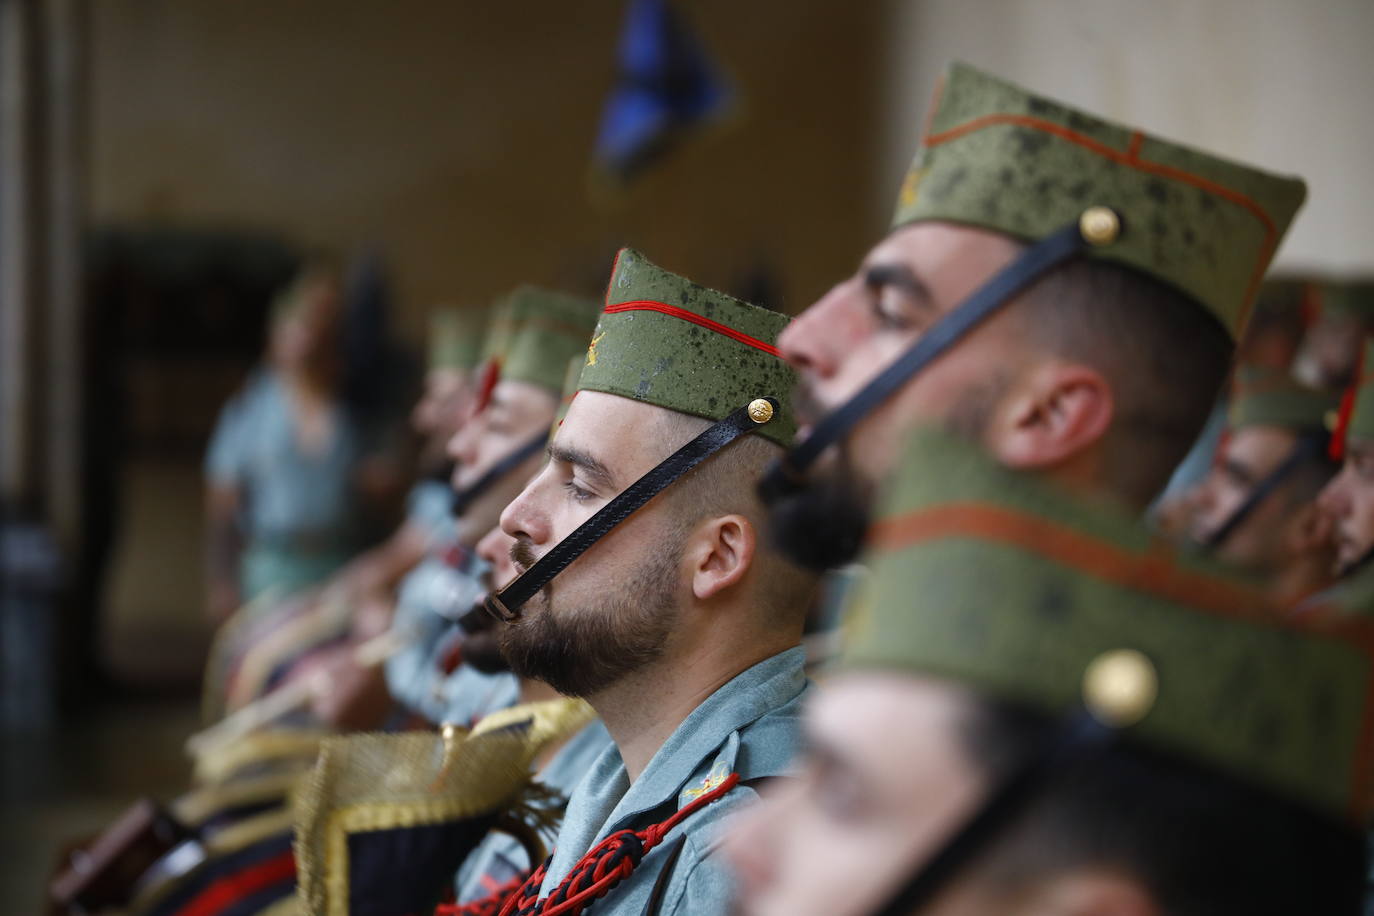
(1055, 413)
(721, 551)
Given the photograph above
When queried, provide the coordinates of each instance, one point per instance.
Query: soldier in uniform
(536, 332)
(1348, 500)
(1060, 288)
(1257, 508)
(680, 625)
(1341, 316)
(1040, 711)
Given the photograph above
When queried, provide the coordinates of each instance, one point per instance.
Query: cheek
(860, 364)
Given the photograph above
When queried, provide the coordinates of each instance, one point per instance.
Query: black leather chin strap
(788, 474)
(506, 604)
(1081, 737)
(464, 498)
(1308, 446)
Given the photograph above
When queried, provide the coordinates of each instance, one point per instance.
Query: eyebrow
(1239, 471)
(592, 467)
(900, 276)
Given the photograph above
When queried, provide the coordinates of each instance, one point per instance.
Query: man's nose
(817, 339)
(524, 517)
(462, 445)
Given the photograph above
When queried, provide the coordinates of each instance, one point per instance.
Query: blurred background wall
(458, 136)
(455, 138)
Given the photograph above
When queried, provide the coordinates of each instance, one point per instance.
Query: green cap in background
(455, 338)
(665, 340)
(1355, 419)
(1268, 397)
(998, 157)
(547, 329)
(1002, 582)
(1352, 299)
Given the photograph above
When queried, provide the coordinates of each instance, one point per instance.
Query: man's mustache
(522, 555)
(806, 407)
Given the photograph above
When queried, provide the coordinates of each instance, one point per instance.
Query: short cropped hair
(1164, 355)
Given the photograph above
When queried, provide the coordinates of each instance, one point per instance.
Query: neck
(644, 708)
(531, 691)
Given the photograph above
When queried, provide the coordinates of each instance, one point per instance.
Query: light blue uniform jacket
(750, 726)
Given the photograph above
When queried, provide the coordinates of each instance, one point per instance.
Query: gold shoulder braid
(393, 816)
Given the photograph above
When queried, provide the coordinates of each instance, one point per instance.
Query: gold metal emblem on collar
(760, 410)
(1120, 687)
(1099, 225)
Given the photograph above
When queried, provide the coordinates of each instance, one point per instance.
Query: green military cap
(998, 157)
(1269, 397)
(455, 338)
(667, 341)
(547, 329)
(1354, 299)
(1285, 295)
(1356, 416)
(1007, 584)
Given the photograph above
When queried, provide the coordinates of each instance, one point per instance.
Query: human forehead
(1260, 440)
(515, 398)
(889, 726)
(617, 430)
(931, 248)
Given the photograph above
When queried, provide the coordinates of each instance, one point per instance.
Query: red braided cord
(492, 904)
(606, 871)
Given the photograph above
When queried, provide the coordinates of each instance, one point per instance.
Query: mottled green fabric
(1361, 425)
(500, 327)
(1268, 397)
(455, 338)
(547, 330)
(998, 157)
(1005, 583)
(714, 356)
(570, 380)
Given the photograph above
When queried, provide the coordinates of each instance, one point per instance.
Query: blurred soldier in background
(1257, 508)
(1340, 316)
(1349, 498)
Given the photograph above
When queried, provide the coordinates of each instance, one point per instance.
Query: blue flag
(666, 85)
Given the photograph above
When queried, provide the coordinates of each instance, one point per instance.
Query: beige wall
(457, 135)
(1282, 83)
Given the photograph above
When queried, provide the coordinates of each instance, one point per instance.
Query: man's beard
(583, 651)
(823, 524)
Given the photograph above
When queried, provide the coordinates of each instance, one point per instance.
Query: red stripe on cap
(649, 305)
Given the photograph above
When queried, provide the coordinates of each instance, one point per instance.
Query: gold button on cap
(1120, 687)
(1099, 225)
(760, 410)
